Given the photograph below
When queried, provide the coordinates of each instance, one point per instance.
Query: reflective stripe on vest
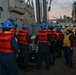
(6, 51)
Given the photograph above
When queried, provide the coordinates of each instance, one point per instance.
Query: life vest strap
(6, 51)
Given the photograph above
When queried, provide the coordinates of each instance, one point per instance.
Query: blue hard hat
(24, 27)
(43, 26)
(15, 24)
(50, 26)
(58, 29)
(7, 25)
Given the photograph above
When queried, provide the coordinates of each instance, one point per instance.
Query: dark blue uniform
(52, 53)
(8, 60)
(43, 52)
(59, 44)
(24, 53)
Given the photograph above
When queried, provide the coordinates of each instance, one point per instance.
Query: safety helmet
(58, 29)
(15, 24)
(24, 27)
(69, 28)
(50, 26)
(7, 25)
(43, 26)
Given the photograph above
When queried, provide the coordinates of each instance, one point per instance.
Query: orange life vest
(43, 36)
(13, 32)
(59, 35)
(53, 34)
(22, 37)
(5, 45)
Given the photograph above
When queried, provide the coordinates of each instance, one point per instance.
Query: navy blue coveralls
(43, 52)
(8, 61)
(52, 50)
(52, 53)
(24, 52)
(59, 44)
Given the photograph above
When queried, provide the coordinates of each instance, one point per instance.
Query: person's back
(24, 41)
(68, 47)
(42, 39)
(52, 47)
(59, 37)
(59, 41)
(8, 48)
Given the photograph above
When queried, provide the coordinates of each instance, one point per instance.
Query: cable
(60, 5)
(61, 12)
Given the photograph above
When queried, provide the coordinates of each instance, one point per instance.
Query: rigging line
(61, 12)
(60, 6)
